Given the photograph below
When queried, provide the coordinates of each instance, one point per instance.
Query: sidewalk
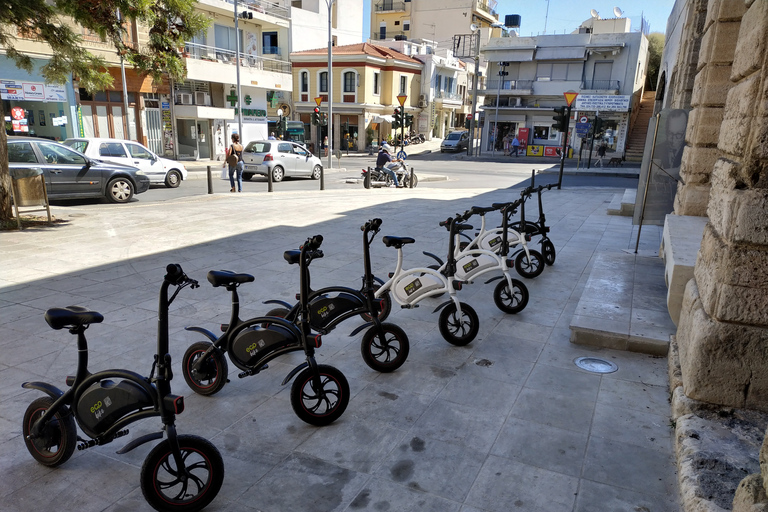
(506, 422)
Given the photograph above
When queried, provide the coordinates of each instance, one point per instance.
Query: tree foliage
(655, 49)
(56, 24)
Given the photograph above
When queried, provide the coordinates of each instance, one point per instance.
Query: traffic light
(408, 120)
(316, 116)
(561, 119)
(397, 122)
(323, 119)
(468, 121)
(283, 125)
(599, 125)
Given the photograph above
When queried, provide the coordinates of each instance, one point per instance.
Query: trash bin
(28, 191)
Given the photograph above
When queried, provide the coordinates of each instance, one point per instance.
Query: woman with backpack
(235, 162)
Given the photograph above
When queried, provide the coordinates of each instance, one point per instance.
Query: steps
(636, 141)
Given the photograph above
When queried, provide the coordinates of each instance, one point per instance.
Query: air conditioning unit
(202, 98)
(423, 103)
(185, 98)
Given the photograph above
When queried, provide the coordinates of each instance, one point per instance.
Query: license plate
(252, 167)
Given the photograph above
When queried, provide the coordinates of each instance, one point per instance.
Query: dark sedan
(72, 175)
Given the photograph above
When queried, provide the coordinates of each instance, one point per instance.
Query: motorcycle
(379, 178)
(417, 138)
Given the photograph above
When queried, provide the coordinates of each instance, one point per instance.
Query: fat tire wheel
(278, 174)
(510, 301)
(57, 442)
(212, 376)
(386, 309)
(458, 331)
(318, 410)
(162, 486)
(548, 251)
(390, 355)
(173, 179)
(316, 171)
(529, 269)
(119, 190)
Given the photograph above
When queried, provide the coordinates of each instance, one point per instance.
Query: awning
(382, 119)
(561, 53)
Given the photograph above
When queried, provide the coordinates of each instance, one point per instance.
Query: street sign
(569, 97)
(402, 155)
(319, 100)
(582, 129)
(583, 119)
(402, 99)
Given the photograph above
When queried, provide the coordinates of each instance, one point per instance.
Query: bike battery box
(251, 344)
(105, 402)
(410, 288)
(323, 310)
(470, 266)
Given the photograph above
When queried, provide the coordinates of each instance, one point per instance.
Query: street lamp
(237, 66)
(502, 74)
(330, 3)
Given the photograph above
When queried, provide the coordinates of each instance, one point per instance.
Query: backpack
(234, 155)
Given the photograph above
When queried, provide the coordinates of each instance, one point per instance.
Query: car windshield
(453, 136)
(258, 147)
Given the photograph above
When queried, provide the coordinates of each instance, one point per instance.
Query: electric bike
(183, 472)
(320, 393)
(539, 227)
(458, 322)
(384, 346)
(510, 295)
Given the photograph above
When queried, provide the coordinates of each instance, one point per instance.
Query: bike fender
(494, 279)
(433, 256)
(46, 388)
(139, 441)
(293, 372)
(380, 281)
(360, 328)
(205, 332)
(280, 302)
(441, 306)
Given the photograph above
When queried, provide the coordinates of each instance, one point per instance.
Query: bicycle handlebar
(313, 243)
(176, 276)
(371, 225)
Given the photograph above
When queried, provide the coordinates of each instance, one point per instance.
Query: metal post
(592, 142)
(565, 146)
(210, 181)
(269, 181)
(239, 92)
(470, 147)
(496, 119)
(410, 183)
(322, 178)
(126, 122)
(367, 179)
(647, 181)
(330, 88)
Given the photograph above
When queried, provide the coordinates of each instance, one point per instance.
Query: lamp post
(330, 3)
(502, 74)
(126, 121)
(476, 36)
(237, 71)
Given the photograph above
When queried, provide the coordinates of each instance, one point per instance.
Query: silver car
(281, 158)
(455, 141)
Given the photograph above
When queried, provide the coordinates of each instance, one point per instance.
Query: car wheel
(247, 176)
(173, 179)
(316, 172)
(120, 190)
(277, 174)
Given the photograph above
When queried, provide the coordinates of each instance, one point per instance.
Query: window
(284, 147)
(324, 81)
(349, 81)
(225, 38)
(544, 71)
(21, 152)
(270, 44)
(304, 81)
(77, 145)
(139, 152)
(56, 154)
(383, 30)
(376, 83)
(403, 84)
(407, 25)
(113, 149)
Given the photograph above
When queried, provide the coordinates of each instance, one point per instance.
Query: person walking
(516, 145)
(600, 153)
(234, 160)
(506, 141)
(325, 146)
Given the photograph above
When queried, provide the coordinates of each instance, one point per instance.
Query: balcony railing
(483, 6)
(376, 36)
(508, 85)
(265, 7)
(389, 5)
(272, 50)
(603, 85)
(213, 54)
(447, 95)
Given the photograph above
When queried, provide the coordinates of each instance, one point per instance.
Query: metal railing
(213, 54)
(483, 6)
(265, 7)
(508, 85)
(605, 85)
(447, 95)
(272, 50)
(376, 36)
(389, 5)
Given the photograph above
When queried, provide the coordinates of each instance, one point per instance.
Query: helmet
(386, 147)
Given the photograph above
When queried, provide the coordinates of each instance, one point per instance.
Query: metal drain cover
(595, 365)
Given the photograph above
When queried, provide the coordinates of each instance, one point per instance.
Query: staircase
(636, 142)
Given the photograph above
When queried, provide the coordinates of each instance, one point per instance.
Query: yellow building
(367, 79)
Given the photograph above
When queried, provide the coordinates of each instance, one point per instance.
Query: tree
(655, 49)
(169, 22)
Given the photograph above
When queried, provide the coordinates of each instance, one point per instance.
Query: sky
(565, 16)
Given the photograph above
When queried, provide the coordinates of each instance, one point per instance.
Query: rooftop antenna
(595, 14)
(545, 17)
(617, 12)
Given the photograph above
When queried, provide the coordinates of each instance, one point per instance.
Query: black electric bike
(384, 346)
(538, 227)
(183, 472)
(320, 393)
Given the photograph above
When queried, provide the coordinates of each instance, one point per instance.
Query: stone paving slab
(506, 422)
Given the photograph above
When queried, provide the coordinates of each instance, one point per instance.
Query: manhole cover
(595, 365)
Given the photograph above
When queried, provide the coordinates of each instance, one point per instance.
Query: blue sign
(582, 129)
(402, 155)
(166, 105)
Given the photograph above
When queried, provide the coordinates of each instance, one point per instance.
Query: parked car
(281, 158)
(160, 170)
(455, 141)
(69, 174)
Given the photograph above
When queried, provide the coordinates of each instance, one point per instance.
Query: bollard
(210, 181)
(269, 180)
(367, 179)
(322, 178)
(410, 182)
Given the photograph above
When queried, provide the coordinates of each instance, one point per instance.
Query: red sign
(18, 113)
(551, 151)
(522, 136)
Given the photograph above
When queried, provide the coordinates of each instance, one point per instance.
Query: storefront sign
(602, 102)
(534, 150)
(17, 113)
(251, 115)
(551, 151)
(31, 91)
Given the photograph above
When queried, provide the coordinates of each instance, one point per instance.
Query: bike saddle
(71, 316)
(481, 209)
(396, 241)
(227, 277)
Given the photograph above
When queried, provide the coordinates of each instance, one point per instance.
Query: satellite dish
(617, 12)
(473, 27)
(595, 14)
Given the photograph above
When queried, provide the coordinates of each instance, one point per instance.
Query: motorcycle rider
(385, 159)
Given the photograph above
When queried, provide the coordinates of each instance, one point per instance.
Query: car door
(145, 160)
(303, 164)
(21, 155)
(69, 171)
(464, 141)
(286, 157)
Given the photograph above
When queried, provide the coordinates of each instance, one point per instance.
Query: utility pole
(237, 71)
(476, 37)
(329, 3)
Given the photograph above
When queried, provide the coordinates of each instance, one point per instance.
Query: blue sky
(567, 15)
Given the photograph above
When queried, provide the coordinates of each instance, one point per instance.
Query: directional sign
(582, 129)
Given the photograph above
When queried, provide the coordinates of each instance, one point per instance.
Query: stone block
(750, 495)
(692, 200)
(697, 164)
(740, 110)
(681, 241)
(721, 363)
(718, 44)
(752, 42)
(712, 85)
(737, 214)
(704, 126)
(727, 10)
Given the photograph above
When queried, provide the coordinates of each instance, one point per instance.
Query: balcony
(448, 97)
(600, 85)
(377, 36)
(212, 54)
(264, 7)
(483, 8)
(389, 6)
(509, 86)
